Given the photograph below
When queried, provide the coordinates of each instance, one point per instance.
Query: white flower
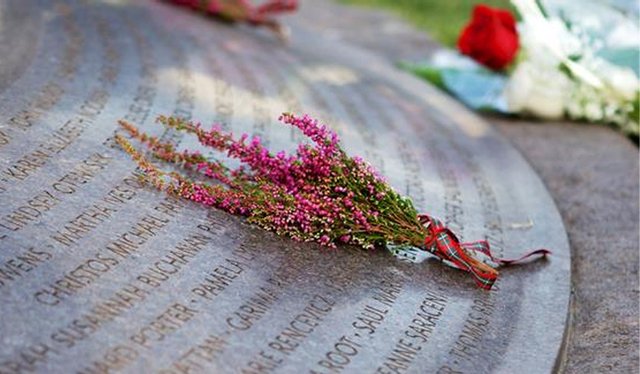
(561, 72)
(544, 36)
(593, 111)
(538, 90)
(623, 81)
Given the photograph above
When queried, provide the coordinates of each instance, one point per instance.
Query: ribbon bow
(443, 243)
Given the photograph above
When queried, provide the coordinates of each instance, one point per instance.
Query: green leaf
(429, 73)
(479, 89)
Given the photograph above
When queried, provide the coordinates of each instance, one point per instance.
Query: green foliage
(442, 19)
(429, 73)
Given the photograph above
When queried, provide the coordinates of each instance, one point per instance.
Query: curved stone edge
(596, 181)
(467, 123)
(421, 86)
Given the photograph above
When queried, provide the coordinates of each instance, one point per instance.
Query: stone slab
(591, 172)
(101, 272)
(596, 189)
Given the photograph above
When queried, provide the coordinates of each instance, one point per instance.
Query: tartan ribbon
(443, 243)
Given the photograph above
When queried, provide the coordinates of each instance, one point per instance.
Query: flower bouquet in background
(245, 11)
(317, 194)
(570, 59)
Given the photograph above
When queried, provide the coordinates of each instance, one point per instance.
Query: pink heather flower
(318, 193)
(244, 10)
(324, 239)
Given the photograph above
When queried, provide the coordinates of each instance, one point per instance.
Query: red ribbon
(444, 244)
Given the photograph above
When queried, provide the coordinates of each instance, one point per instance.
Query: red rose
(490, 37)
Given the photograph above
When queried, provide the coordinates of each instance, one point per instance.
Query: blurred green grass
(442, 19)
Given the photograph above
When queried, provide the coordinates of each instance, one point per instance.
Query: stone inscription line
(253, 309)
(411, 164)
(152, 333)
(185, 99)
(86, 115)
(44, 201)
(364, 325)
(287, 341)
(51, 91)
(97, 213)
(103, 312)
(466, 346)
(110, 256)
(476, 324)
(416, 335)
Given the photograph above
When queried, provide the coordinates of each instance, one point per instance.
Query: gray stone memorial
(100, 274)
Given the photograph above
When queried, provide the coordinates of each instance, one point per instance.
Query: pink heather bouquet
(319, 194)
(245, 11)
